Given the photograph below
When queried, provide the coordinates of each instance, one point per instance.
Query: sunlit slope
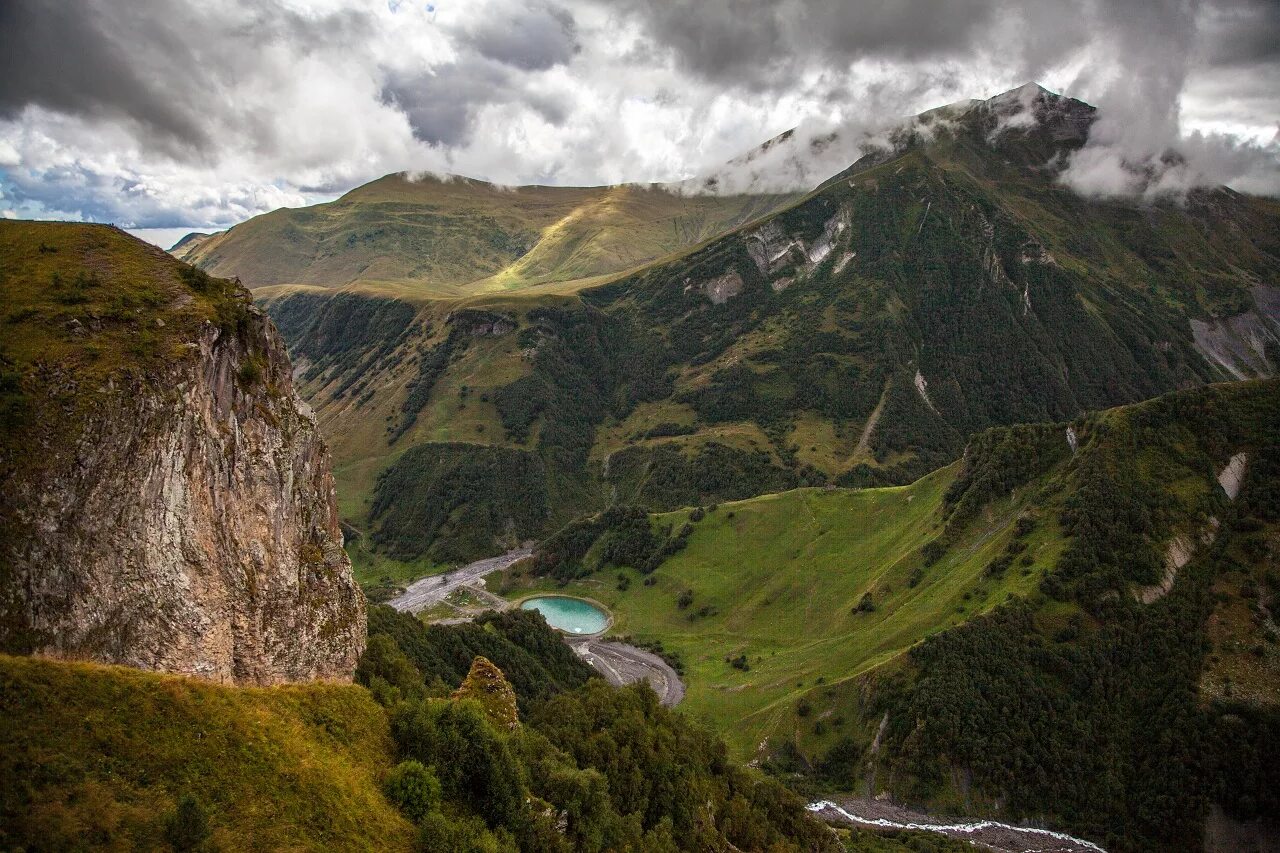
(91, 754)
(780, 578)
(419, 237)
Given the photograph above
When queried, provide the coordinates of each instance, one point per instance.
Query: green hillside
(857, 337)
(423, 236)
(97, 757)
(995, 637)
(779, 579)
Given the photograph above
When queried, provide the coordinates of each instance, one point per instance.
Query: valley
(775, 583)
(931, 486)
(823, 462)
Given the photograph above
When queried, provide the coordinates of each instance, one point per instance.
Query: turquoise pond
(571, 615)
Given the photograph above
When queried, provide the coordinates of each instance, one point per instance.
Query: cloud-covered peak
(203, 113)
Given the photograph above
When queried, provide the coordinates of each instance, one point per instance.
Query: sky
(166, 116)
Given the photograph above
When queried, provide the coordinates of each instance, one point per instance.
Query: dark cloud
(1242, 34)
(529, 37)
(762, 44)
(497, 51)
(63, 56)
(441, 105)
(160, 65)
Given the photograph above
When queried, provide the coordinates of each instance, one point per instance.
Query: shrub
(414, 789)
(188, 827)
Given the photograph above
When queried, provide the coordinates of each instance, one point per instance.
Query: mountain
(188, 243)
(167, 501)
(931, 290)
(419, 236)
(1075, 624)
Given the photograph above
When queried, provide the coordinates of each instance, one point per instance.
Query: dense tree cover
(620, 536)
(531, 655)
(458, 502)
(909, 425)
(345, 336)
(1000, 460)
(1123, 499)
(1096, 720)
(587, 364)
(591, 768)
(664, 477)
(432, 362)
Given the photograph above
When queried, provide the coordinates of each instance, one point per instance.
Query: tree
(414, 789)
(387, 671)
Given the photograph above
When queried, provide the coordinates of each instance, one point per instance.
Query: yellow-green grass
(88, 297)
(783, 575)
(98, 756)
(433, 238)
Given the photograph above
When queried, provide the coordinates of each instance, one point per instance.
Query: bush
(473, 762)
(414, 789)
(188, 827)
(438, 834)
(684, 599)
(250, 373)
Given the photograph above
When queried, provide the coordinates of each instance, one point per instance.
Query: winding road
(621, 664)
(430, 591)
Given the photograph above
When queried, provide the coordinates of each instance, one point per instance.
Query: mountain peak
(1032, 106)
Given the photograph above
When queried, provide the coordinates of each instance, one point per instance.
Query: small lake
(571, 615)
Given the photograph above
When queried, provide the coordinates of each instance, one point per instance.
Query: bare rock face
(191, 527)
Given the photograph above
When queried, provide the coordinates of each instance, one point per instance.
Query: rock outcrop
(181, 516)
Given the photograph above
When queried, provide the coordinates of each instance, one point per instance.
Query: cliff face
(179, 515)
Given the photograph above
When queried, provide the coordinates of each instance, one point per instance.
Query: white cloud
(214, 111)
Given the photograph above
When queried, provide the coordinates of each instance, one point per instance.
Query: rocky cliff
(167, 501)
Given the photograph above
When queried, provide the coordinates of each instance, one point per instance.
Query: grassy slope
(89, 752)
(783, 573)
(448, 238)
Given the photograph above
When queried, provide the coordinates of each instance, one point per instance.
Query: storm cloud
(185, 113)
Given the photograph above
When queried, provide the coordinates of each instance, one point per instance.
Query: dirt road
(429, 591)
(620, 664)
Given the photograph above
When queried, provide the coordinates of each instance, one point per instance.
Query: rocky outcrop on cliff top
(176, 511)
